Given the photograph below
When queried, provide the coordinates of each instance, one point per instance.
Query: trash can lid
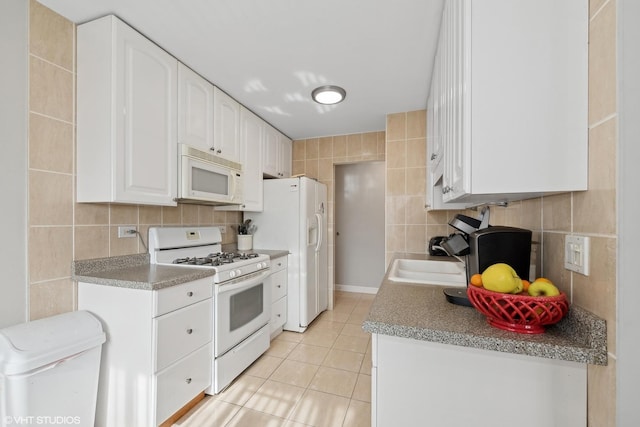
(32, 345)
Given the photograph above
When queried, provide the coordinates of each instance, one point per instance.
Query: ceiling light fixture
(328, 95)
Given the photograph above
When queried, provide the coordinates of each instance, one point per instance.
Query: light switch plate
(223, 229)
(576, 254)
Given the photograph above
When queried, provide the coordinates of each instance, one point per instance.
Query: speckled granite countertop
(134, 271)
(273, 253)
(421, 312)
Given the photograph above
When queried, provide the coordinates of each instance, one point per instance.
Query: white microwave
(205, 178)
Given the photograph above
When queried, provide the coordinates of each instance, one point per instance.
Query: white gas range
(241, 296)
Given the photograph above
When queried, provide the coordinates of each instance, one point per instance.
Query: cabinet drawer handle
(188, 380)
(189, 294)
(189, 331)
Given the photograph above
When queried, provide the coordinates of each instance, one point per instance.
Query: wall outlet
(576, 254)
(127, 231)
(223, 229)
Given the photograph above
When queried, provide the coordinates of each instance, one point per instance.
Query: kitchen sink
(428, 272)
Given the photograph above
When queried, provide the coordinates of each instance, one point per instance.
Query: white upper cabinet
(271, 152)
(126, 116)
(507, 113)
(226, 126)
(252, 133)
(276, 154)
(285, 157)
(195, 110)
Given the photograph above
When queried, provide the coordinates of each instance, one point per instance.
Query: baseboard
(357, 289)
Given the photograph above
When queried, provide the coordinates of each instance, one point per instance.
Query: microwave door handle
(235, 185)
(244, 284)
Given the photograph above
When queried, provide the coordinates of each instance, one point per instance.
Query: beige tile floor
(321, 378)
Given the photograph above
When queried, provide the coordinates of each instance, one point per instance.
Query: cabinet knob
(278, 286)
(189, 294)
(433, 156)
(188, 380)
(277, 315)
(218, 151)
(279, 264)
(212, 148)
(189, 331)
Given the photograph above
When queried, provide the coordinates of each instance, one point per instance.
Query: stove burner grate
(216, 259)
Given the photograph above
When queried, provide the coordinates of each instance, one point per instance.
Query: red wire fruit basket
(518, 313)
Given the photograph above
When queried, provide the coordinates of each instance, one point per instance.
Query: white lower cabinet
(158, 354)
(278, 280)
(416, 383)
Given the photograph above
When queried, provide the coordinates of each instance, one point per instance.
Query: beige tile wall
(61, 230)
(593, 213)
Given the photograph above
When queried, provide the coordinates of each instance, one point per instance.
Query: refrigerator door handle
(320, 231)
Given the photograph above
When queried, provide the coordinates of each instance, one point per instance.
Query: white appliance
(295, 218)
(208, 179)
(241, 295)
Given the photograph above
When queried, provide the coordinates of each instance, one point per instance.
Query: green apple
(502, 278)
(543, 288)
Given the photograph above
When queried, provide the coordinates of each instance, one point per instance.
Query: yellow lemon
(501, 277)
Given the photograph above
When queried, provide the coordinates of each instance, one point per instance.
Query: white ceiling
(270, 54)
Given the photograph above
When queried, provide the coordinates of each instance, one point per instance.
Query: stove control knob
(239, 272)
(232, 274)
(259, 265)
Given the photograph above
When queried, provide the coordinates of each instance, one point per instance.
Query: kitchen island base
(425, 383)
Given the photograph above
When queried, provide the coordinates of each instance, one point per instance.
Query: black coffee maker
(483, 245)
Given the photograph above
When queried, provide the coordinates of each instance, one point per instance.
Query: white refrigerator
(295, 218)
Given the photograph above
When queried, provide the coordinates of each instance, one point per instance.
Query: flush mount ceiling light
(328, 95)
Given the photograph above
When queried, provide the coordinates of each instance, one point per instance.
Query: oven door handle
(243, 284)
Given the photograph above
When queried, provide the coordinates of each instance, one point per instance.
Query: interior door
(359, 226)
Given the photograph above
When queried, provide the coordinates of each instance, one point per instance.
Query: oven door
(241, 308)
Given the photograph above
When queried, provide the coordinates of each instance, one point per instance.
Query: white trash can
(49, 370)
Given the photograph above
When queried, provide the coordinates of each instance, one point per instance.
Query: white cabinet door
(286, 151)
(127, 138)
(277, 154)
(251, 135)
(509, 112)
(252, 132)
(195, 109)
(407, 391)
(271, 152)
(226, 126)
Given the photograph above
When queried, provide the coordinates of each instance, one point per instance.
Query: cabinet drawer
(180, 332)
(181, 382)
(175, 297)
(278, 264)
(278, 314)
(278, 285)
